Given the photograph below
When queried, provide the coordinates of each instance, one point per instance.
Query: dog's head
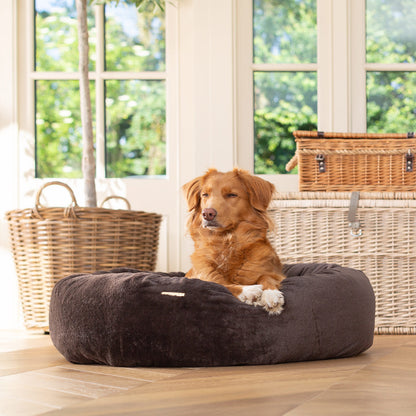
(221, 201)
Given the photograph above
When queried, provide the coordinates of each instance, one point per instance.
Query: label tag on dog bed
(178, 294)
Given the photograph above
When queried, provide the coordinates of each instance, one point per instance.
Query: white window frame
(99, 75)
(341, 73)
(361, 67)
(146, 193)
(245, 75)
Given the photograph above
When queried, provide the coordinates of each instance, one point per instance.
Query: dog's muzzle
(210, 224)
(209, 218)
(209, 214)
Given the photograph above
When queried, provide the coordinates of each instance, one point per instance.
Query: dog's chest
(227, 256)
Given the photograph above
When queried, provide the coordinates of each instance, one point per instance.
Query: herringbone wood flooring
(36, 380)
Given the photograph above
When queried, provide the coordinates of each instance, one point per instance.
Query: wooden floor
(36, 380)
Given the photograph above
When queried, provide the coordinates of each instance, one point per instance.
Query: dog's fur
(228, 222)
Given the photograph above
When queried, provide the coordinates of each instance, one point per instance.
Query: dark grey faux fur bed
(126, 317)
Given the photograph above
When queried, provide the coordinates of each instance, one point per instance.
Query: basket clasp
(320, 158)
(356, 230)
(409, 161)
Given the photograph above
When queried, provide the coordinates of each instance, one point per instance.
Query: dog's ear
(260, 191)
(192, 192)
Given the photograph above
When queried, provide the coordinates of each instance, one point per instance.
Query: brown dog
(228, 222)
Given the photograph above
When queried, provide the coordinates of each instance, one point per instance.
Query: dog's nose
(209, 214)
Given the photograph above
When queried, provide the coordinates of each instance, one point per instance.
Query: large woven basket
(380, 241)
(355, 162)
(51, 243)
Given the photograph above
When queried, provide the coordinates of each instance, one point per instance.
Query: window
(334, 65)
(390, 64)
(284, 76)
(128, 89)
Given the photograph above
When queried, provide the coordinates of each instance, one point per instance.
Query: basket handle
(116, 197)
(39, 205)
(292, 163)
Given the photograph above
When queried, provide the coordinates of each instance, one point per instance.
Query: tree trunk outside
(88, 157)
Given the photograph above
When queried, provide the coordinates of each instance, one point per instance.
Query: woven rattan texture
(362, 162)
(51, 243)
(313, 227)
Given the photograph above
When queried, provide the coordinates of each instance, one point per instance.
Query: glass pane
(284, 102)
(134, 41)
(57, 38)
(284, 31)
(391, 31)
(135, 132)
(58, 129)
(391, 102)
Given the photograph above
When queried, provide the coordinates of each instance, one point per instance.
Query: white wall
(9, 181)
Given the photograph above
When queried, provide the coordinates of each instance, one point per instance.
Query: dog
(228, 223)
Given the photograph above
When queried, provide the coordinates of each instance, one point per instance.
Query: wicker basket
(351, 161)
(51, 243)
(380, 241)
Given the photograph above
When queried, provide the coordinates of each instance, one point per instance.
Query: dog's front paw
(272, 300)
(251, 294)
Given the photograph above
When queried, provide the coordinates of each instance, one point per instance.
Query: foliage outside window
(285, 94)
(284, 32)
(129, 74)
(391, 39)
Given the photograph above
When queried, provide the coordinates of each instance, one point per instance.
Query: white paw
(251, 294)
(272, 300)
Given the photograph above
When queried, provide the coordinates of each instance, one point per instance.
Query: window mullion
(325, 68)
(100, 93)
(390, 67)
(52, 75)
(148, 75)
(284, 67)
(358, 73)
(26, 90)
(245, 121)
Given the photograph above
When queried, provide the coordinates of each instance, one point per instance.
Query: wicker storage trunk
(355, 162)
(51, 243)
(380, 241)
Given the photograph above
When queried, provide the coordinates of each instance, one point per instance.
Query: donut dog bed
(126, 317)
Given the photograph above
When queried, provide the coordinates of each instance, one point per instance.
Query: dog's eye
(204, 195)
(232, 195)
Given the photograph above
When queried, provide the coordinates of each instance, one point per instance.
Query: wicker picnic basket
(373, 232)
(51, 243)
(354, 161)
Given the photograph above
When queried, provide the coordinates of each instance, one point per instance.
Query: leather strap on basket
(353, 221)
